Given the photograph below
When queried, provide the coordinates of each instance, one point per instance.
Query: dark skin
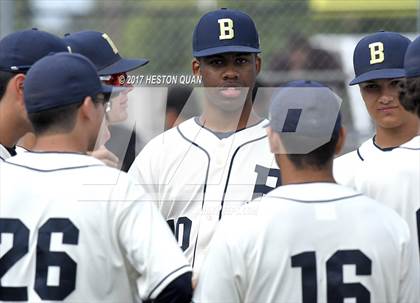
(231, 77)
(394, 125)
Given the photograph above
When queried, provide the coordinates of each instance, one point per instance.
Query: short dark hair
(4, 81)
(60, 119)
(318, 158)
(410, 95)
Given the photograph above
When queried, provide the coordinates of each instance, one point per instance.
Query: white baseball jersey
(198, 178)
(346, 166)
(20, 149)
(313, 242)
(4, 153)
(75, 230)
(394, 179)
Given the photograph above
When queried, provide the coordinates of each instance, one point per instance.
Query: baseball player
(394, 177)
(203, 169)
(113, 69)
(67, 235)
(18, 51)
(378, 64)
(310, 240)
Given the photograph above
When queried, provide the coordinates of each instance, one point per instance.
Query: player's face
(119, 107)
(119, 103)
(99, 121)
(382, 103)
(232, 75)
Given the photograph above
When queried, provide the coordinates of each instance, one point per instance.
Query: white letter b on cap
(376, 52)
(226, 29)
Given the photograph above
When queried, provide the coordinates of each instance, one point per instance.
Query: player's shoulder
(346, 165)
(4, 153)
(170, 138)
(52, 161)
(354, 156)
(413, 144)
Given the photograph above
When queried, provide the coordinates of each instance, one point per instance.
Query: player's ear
(258, 63)
(87, 109)
(19, 80)
(274, 140)
(341, 140)
(195, 64)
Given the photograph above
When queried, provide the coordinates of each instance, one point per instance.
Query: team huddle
(225, 207)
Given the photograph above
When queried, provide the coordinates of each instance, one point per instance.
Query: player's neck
(8, 138)
(59, 143)
(27, 141)
(223, 121)
(391, 137)
(292, 175)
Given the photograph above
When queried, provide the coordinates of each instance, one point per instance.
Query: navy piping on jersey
(316, 201)
(205, 182)
(230, 170)
(217, 134)
(360, 156)
(11, 150)
(53, 170)
(161, 281)
(385, 149)
(56, 152)
(410, 148)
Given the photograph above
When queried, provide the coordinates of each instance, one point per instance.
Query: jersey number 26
(44, 259)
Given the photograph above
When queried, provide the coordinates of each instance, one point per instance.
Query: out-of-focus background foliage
(161, 29)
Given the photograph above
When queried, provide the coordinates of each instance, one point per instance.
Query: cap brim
(225, 49)
(123, 65)
(388, 73)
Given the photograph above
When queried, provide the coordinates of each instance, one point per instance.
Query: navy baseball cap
(225, 31)
(306, 114)
(412, 59)
(21, 49)
(99, 48)
(379, 56)
(59, 80)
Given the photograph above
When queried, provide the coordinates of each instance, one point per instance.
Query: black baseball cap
(379, 56)
(59, 80)
(101, 50)
(224, 31)
(21, 49)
